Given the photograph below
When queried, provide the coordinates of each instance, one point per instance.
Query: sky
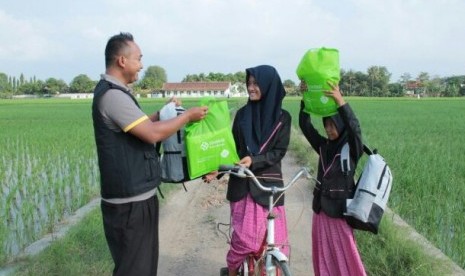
(63, 39)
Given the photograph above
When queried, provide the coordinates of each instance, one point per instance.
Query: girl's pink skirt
(334, 251)
(248, 220)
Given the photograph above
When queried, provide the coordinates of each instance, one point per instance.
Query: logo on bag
(323, 99)
(204, 146)
(212, 144)
(224, 153)
(314, 86)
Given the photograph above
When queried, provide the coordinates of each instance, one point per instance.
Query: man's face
(132, 62)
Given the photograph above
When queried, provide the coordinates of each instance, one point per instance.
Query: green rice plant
(48, 155)
(49, 160)
(390, 253)
(35, 165)
(423, 142)
(82, 252)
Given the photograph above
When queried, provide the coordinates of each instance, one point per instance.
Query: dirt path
(190, 243)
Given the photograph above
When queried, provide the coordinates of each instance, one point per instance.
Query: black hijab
(335, 145)
(261, 117)
(338, 122)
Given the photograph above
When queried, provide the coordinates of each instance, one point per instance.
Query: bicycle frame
(271, 250)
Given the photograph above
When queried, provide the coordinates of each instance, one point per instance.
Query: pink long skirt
(248, 220)
(334, 251)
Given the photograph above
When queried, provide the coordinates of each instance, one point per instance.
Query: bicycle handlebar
(244, 172)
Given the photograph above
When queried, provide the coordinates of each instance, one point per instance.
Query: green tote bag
(209, 142)
(317, 67)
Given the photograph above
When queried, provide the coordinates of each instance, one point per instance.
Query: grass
(421, 139)
(423, 142)
(390, 253)
(84, 251)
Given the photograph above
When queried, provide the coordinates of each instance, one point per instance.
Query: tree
(348, 82)
(82, 84)
(435, 86)
(14, 84)
(6, 90)
(454, 86)
(452, 90)
(404, 79)
(290, 87)
(379, 79)
(54, 86)
(216, 77)
(239, 76)
(22, 80)
(423, 77)
(423, 80)
(36, 87)
(361, 84)
(153, 79)
(4, 84)
(396, 89)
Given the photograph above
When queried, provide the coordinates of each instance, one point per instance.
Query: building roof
(195, 86)
(413, 84)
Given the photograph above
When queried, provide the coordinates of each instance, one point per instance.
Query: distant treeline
(376, 82)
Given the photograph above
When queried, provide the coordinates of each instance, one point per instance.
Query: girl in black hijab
(260, 117)
(261, 131)
(334, 251)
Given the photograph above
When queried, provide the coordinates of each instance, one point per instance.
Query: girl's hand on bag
(303, 86)
(335, 93)
(210, 176)
(246, 162)
(174, 100)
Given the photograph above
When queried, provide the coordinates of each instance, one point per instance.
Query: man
(128, 163)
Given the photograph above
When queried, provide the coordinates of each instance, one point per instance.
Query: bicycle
(275, 262)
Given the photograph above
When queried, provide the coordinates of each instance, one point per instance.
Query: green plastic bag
(317, 67)
(209, 142)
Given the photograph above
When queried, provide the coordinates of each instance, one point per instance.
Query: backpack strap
(345, 156)
(159, 191)
(368, 151)
(157, 147)
(345, 159)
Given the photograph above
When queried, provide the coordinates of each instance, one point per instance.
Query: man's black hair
(114, 46)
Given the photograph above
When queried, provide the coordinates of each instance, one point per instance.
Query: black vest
(128, 165)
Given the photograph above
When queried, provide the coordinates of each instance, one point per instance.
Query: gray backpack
(173, 156)
(366, 208)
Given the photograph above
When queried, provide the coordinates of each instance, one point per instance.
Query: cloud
(63, 40)
(24, 40)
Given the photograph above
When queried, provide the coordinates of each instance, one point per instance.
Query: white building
(75, 96)
(198, 89)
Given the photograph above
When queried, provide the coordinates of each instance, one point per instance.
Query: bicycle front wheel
(282, 268)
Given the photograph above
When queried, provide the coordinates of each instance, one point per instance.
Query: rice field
(48, 165)
(423, 140)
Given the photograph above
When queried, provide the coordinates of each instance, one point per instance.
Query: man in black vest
(128, 163)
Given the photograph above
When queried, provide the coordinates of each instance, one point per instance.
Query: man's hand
(196, 113)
